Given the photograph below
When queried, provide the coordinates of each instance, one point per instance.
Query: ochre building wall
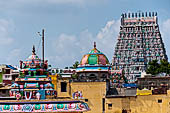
(63, 94)
(93, 91)
(139, 104)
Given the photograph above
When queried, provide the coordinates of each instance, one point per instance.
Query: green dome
(94, 57)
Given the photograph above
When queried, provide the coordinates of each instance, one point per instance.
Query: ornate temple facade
(139, 42)
(33, 91)
(33, 82)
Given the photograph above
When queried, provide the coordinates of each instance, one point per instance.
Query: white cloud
(166, 28)
(107, 37)
(5, 27)
(70, 48)
(165, 31)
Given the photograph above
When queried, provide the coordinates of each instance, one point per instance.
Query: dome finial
(94, 44)
(33, 50)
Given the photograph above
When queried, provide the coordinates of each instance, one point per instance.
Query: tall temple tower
(139, 42)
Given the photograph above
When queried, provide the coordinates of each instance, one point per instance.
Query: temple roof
(33, 56)
(33, 61)
(94, 57)
(93, 61)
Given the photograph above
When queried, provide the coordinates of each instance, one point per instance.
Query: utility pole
(43, 48)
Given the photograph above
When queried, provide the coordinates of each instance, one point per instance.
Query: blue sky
(71, 27)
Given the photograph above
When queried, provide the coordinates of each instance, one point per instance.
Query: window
(32, 73)
(7, 76)
(63, 87)
(159, 100)
(137, 68)
(7, 71)
(38, 73)
(3, 91)
(92, 76)
(109, 106)
(124, 111)
(82, 76)
(86, 100)
(103, 76)
(26, 72)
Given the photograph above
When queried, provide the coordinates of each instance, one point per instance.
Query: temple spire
(33, 50)
(94, 44)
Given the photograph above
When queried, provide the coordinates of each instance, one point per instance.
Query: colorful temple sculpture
(35, 92)
(45, 106)
(139, 42)
(94, 66)
(33, 82)
(117, 78)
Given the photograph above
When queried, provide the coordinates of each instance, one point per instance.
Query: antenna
(43, 47)
(42, 35)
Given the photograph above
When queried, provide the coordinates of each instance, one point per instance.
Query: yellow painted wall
(63, 94)
(93, 91)
(54, 80)
(139, 104)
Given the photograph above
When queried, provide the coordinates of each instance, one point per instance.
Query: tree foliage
(75, 65)
(155, 68)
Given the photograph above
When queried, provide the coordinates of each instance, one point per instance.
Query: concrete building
(2, 67)
(9, 75)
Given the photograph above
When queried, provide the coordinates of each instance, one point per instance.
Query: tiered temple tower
(33, 82)
(139, 42)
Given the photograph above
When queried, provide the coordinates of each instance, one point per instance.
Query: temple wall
(59, 92)
(92, 92)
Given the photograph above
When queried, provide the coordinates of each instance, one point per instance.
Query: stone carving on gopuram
(139, 42)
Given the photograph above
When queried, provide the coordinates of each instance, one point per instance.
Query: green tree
(66, 68)
(153, 67)
(164, 66)
(75, 65)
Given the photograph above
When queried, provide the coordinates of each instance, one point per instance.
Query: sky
(71, 27)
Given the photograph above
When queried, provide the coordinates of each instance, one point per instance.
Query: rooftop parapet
(139, 17)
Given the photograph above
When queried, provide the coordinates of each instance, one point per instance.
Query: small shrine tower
(94, 66)
(33, 80)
